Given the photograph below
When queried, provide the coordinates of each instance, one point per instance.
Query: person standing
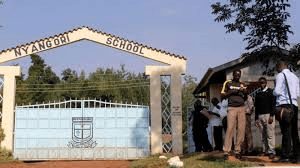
(264, 116)
(247, 145)
(200, 122)
(216, 123)
(223, 115)
(286, 88)
(235, 92)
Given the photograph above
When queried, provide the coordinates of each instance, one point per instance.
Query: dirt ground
(69, 164)
(263, 161)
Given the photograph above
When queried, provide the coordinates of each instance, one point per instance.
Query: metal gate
(81, 129)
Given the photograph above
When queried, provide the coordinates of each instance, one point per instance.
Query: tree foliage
(294, 57)
(262, 21)
(188, 98)
(39, 76)
(107, 84)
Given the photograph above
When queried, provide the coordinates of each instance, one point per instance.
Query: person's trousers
(218, 137)
(196, 138)
(224, 123)
(201, 140)
(206, 146)
(286, 142)
(290, 137)
(295, 135)
(268, 133)
(235, 115)
(247, 145)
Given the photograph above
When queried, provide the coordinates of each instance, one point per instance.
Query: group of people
(233, 115)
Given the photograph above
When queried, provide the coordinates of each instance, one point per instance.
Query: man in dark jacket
(235, 92)
(200, 122)
(264, 116)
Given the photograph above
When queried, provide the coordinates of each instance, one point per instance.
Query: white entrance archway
(175, 67)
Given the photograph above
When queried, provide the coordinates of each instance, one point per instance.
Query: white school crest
(82, 133)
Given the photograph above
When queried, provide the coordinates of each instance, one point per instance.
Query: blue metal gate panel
(81, 133)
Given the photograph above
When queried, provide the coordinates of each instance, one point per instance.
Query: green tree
(68, 79)
(116, 85)
(41, 79)
(294, 56)
(188, 98)
(262, 21)
(119, 85)
(21, 97)
(69, 75)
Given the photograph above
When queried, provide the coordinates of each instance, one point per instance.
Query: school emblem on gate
(82, 133)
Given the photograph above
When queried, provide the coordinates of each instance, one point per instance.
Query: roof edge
(211, 71)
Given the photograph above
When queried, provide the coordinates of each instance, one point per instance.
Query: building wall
(215, 91)
(250, 73)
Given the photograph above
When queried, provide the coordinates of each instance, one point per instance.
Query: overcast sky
(182, 27)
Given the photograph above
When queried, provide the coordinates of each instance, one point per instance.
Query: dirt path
(69, 164)
(262, 160)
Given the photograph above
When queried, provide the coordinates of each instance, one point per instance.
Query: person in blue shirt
(289, 128)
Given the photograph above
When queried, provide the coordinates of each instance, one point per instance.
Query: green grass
(210, 161)
(191, 161)
(5, 156)
(150, 162)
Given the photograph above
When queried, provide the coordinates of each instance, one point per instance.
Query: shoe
(296, 161)
(281, 160)
(271, 156)
(251, 153)
(262, 154)
(226, 156)
(238, 156)
(217, 149)
(207, 150)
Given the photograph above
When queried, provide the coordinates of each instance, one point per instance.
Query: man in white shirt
(216, 123)
(247, 145)
(289, 130)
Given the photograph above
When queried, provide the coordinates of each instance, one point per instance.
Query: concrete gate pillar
(155, 116)
(155, 73)
(9, 89)
(176, 113)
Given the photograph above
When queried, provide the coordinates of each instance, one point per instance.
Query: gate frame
(175, 67)
(82, 104)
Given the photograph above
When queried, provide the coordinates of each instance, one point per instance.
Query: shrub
(4, 154)
(2, 136)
